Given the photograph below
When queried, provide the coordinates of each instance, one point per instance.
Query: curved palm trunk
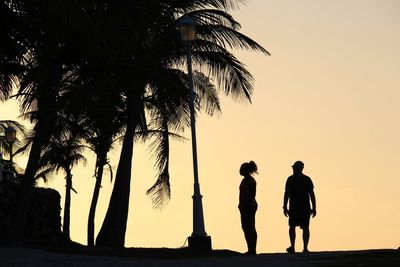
(19, 221)
(90, 232)
(42, 136)
(67, 206)
(46, 110)
(112, 232)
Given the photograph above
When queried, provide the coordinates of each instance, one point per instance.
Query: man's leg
(306, 238)
(306, 231)
(292, 236)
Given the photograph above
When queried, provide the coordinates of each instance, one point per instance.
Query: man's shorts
(301, 219)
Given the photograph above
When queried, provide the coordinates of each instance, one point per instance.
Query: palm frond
(206, 92)
(22, 149)
(214, 17)
(110, 169)
(230, 74)
(170, 98)
(228, 37)
(160, 191)
(20, 128)
(73, 189)
(44, 174)
(7, 83)
(187, 6)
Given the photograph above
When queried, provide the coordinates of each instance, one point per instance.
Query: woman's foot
(290, 250)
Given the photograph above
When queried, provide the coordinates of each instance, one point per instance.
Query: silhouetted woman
(248, 205)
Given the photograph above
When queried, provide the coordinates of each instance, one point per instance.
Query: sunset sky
(329, 96)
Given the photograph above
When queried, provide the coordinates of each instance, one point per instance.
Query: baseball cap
(298, 164)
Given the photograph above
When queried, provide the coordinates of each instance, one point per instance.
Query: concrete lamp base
(200, 243)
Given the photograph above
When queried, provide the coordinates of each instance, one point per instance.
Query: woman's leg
(252, 232)
(249, 229)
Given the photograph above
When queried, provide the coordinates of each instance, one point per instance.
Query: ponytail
(252, 167)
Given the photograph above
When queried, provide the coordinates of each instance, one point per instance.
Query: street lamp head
(11, 135)
(187, 27)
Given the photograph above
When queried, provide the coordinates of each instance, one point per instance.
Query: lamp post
(199, 238)
(11, 136)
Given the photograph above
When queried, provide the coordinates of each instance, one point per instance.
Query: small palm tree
(63, 153)
(103, 124)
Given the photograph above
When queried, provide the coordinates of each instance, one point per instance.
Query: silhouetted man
(299, 190)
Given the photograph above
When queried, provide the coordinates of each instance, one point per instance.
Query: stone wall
(44, 220)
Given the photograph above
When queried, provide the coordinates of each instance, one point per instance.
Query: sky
(328, 96)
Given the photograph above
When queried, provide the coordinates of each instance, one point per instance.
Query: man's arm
(314, 204)
(285, 201)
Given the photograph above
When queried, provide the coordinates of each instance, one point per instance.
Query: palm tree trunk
(42, 136)
(112, 232)
(46, 110)
(67, 206)
(99, 176)
(17, 230)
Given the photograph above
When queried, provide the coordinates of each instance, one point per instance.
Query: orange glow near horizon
(329, 96)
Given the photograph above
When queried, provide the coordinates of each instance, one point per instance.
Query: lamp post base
(200, 243)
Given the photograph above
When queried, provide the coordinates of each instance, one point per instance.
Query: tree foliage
(91, 71)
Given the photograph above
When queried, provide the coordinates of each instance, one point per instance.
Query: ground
(148, 257)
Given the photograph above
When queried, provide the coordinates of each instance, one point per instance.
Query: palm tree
(131, 41)
(63, 152)
(44, 46)
(100, 145)
(104, 123)
(132, 80)
(35, 61)
(217, 31)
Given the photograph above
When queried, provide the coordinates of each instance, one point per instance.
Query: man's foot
(306, 251)
(290, 250)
